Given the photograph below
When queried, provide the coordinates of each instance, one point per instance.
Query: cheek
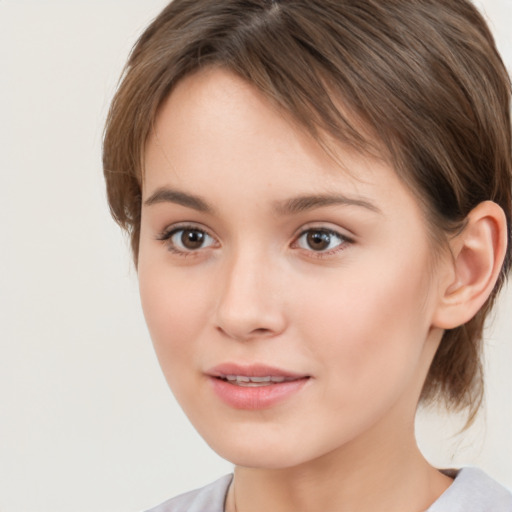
(174, 310)
(368, 326)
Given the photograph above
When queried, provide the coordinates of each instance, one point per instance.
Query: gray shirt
(471, 491)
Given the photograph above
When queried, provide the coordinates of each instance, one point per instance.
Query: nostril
(260, 332)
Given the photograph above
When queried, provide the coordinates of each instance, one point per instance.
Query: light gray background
(87, 423)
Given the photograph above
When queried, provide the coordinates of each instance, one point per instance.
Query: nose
(250, 298)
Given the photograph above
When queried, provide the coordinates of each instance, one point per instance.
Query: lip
(252, 370)
(261, 396)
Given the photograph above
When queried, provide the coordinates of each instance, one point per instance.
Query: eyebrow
(287, 207)
(310, 202)
(168, 195)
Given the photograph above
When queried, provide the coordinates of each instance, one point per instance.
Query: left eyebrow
(305, 203)
(169, 195)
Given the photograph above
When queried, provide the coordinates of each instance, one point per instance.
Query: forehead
(215, 129)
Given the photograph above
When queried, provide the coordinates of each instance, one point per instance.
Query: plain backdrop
(87, 422)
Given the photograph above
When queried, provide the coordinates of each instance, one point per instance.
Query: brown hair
(423, 76)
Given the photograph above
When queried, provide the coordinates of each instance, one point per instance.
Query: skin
(358, 318)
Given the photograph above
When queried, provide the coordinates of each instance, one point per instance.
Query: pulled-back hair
(420, 78)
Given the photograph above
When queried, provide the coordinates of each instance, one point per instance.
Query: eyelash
(344, 241)
(169, 233)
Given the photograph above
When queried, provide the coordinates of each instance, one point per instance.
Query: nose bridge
(249, 298)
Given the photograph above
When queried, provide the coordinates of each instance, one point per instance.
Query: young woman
(318, 194)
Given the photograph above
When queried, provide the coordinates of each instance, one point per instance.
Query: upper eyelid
(327, 230)
(166, 238)
(325, 226)
(343, 233)
(345, 243)
(173, 228)
(339, 235)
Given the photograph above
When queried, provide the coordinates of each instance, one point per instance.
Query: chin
(260, 452)
(260, 459)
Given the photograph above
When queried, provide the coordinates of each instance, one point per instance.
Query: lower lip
(260, 397)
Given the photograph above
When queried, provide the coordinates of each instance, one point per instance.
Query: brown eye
(188, 240)
(192, 239)
(320, 240)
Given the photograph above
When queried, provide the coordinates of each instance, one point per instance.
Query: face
(289, 297)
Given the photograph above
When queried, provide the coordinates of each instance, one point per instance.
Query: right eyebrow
(169, 195)
(310, 202)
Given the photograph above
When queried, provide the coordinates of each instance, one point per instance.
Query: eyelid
(329, 227)
(345, 239)
(171, 228)
(166, 235)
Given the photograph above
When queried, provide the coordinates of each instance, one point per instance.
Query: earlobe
(477, 257)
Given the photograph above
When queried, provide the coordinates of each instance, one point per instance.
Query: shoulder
(210, 498)
(474, 491)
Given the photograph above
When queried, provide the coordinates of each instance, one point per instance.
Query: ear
(477, 257)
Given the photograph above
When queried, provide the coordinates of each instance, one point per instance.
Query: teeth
(260, 379)
(243, 380)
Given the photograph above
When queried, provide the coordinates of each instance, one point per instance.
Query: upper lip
(252, 370)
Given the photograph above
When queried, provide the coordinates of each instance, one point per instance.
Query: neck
(385, 476)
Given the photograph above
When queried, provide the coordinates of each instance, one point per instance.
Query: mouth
(255, 382)
(255, 386)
